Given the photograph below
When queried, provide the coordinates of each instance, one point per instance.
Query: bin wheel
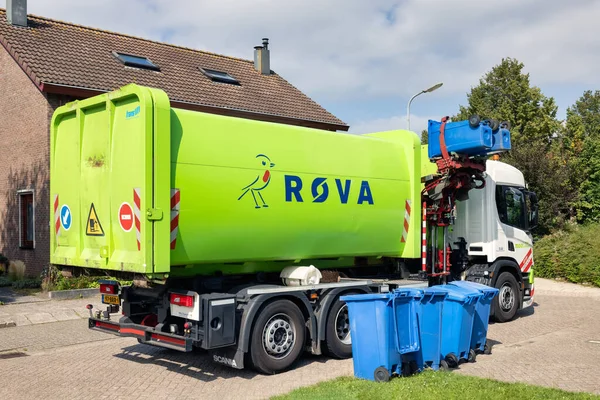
(494, 125)
(505, 125)
(277, 337)
(474, 121)
(472, 356)
(410, 368)
(444, 365)
(381, 374)
(452, 360)
(487, 349)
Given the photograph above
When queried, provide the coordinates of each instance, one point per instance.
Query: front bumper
(528, 299)
(145, 334)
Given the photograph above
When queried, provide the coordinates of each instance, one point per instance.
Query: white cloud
(357, 49)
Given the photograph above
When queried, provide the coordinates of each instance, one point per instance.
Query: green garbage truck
(240, 236)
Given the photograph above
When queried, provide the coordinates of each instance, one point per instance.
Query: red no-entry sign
(126, 217)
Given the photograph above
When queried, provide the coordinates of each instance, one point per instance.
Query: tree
(424, 136)
(581, 141)
(505, 94)
(583, 118)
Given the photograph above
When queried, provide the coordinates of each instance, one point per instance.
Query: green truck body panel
(236, 195)
(427, 167)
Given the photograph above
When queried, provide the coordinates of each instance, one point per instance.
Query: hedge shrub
(573, 255)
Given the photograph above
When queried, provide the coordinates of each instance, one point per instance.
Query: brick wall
(24, 147)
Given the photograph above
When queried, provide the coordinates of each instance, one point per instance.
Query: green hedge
(573, 255)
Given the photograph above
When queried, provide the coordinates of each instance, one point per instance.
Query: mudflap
(230, 356)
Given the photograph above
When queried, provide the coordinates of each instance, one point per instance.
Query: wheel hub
(278, 336)
(506, 297)
(342, 325)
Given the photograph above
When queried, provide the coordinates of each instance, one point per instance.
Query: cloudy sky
(363, 60)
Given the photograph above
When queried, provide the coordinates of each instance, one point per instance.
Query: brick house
(45, 63)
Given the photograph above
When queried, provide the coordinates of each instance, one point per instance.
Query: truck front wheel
(277, 337)
(506, 303)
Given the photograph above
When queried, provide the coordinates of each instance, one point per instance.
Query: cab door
(511, 202)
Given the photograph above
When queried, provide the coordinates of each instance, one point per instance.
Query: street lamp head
(431, 89)
(434, 87)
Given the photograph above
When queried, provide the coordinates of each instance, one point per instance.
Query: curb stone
(7, 324)
(73, 294)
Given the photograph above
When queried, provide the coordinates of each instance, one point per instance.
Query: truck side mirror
(533, 209)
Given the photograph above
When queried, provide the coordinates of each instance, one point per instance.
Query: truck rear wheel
(337, 340)
(277, 337)
(506, 303)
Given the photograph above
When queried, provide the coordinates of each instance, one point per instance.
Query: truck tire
(277, 337)
(338, 342)
(506, 303)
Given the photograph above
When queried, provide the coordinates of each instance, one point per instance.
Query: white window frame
(20, 194)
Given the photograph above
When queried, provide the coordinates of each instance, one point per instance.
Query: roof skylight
(131, 60)
(218, 76)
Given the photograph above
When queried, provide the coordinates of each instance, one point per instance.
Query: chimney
(16, 12)
(262, 61)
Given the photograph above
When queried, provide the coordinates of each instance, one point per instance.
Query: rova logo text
(320, 190)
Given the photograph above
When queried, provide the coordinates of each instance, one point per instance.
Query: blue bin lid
(457, 293)
(408, 292)
(488, 291)
(366, 297)
(400, 293)
(433, 291)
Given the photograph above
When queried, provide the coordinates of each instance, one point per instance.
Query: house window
(26, 220)
(218, 76)
(131, 60)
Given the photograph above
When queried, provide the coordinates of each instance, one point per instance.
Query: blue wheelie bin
(383, 328)
(430, 328)
(457, 323)
(482, 313)
(460, 137)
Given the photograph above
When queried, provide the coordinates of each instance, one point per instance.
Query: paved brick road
(548, 346)
(38, 309)
(551, 345)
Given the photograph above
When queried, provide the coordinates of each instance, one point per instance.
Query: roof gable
(67, 55)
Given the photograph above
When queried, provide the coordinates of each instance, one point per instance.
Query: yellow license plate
(110, 299)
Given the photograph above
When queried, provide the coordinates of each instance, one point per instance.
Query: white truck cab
(496, 222)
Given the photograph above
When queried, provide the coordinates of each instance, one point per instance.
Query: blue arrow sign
(65, 217)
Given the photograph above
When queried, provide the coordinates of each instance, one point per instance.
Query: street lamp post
(431, 89)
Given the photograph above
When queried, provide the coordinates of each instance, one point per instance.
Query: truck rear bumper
(145, 334)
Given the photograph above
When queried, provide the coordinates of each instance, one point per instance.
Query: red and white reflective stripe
(56, 216)
(137, 204)
(406, 221)
(527, 261)
(175, 201)
(528, 265)
(424, 239)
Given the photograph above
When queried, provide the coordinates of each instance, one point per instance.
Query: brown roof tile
(60, 53)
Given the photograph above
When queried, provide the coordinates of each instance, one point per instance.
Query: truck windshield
(511, 205)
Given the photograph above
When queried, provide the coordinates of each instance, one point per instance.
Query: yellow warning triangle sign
(94, 228)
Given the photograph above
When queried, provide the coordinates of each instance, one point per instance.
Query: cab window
(511, 206)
